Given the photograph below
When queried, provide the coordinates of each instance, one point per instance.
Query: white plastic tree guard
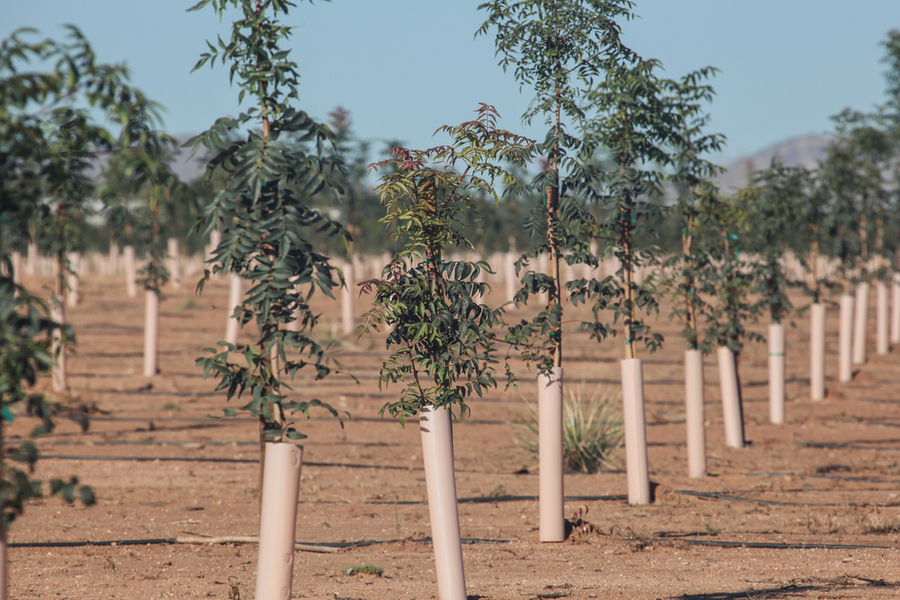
(33, 259)
(861, 323)
(17, 267)
(731, 408)
(130, 271)
(235, 291)
(776, 373)
(72, 278)
(882, 327)
(4, 578)
(436, 432)
(151, 333)
(113, 263)
(278, 520)
(895, 310)
(174, 251)
(696, 413)
(636, 463)
(817, 352)
(509, 272)
(550, 451)
(348, 308)
(845, 337)
(58, 370)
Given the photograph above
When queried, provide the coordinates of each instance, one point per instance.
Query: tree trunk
(637, 467)
(551, 457)
(58, 370)
(436, 431)
(776, 373)
(278, 520)
(696, 412)
(817, 352)
(861, 323)
(130, 271)
(174, 262)
(151, 334)
(731, 404)
(845, 339)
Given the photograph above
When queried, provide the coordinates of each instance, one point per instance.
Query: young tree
(692, 179)
(144, 159)
(74, 141)
(851, 172)
(774, 205)
(30, 160)
(442, 334)
(731, 284)
(266, 218)
(263, 204)
(558, 47)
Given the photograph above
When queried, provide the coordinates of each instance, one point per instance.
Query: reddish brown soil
(364, 483)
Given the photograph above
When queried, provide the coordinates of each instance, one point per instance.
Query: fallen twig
(248, 539)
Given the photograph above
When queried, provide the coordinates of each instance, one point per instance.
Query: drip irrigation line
(227, 420)
(821, 476)
(867, 422)
(176, 419)
(220, 460)
(721, 496)
(328, 547)
(158, 393)
(474, 500)
(882, 400)
(489, 499)
(837, 445)
(196, 445)
(783, 546)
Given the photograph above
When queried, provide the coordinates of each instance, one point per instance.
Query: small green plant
(592, 431)
(710, 530)
(498, 491)
(171, 406)
(190, 305)
(365, 569)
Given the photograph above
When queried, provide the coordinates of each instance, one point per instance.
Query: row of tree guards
(853, 309)
(435, 424)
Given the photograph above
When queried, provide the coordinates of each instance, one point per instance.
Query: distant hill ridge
(804, 151)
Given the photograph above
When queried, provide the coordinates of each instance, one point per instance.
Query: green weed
(592, 430)
(366, 569)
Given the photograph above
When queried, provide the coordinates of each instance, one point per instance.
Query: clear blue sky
(404, 67)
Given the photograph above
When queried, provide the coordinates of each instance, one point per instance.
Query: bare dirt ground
(809, 510)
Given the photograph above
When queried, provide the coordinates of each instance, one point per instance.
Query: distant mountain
(805, 151)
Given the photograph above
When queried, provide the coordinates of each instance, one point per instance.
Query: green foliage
(592, 431)
(267, 178)
(728, 280)
(25, 337)
(141, 166)
(560, 48)
(852, 176)
(444, 347)
(359, 207)
(644, 124)
(46, 149)
(775, 206)
(365, 569)
(691, 179)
